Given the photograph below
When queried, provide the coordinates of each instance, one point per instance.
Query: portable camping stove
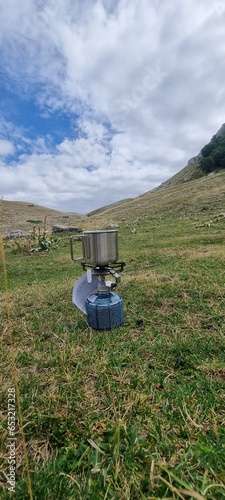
(93, 292)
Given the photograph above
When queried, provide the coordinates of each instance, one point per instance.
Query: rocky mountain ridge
(190, 172)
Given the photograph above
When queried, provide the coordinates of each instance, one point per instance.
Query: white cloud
(146, 79)
(6, 147)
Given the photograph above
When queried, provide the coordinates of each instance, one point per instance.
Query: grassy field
(133, 413)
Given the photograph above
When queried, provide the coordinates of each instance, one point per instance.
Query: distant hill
(188, 193)
(203, 196)
(24, 216)
(107, 207)
(190, 172)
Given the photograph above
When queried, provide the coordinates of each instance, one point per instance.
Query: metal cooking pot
(100, 248)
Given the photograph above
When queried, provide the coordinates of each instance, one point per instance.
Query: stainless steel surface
(72, 238)
(100, 248)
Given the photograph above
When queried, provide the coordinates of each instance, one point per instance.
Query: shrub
(37, 241)
(35, 221)
(44, 242)
(207, 164)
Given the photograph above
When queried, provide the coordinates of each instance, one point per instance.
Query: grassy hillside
(186, 174)
(21, 215)
(184, 200)
(107, 207)
(181, 200)
(138, 412)
(195, 168)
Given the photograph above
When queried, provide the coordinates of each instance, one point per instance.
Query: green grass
(133, 413)
(35, 221)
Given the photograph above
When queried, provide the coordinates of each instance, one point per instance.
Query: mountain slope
(22, 215)
(107, 207)
(186, 174)
(186, 194)
(185, 200)
(192, 170)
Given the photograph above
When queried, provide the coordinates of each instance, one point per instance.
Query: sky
(102, 100)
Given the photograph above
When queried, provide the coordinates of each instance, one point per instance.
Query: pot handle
(72, 238)
(86, 247)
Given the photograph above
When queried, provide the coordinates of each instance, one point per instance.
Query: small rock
(61, 229)
(140, 323)
(16, 234)
(180, 363)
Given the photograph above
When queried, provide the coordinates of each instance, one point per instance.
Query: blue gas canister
(104, 310)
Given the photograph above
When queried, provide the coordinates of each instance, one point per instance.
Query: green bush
(213, 155)
(37, 241)
(207, 164)
(44, 243)
(35, 221)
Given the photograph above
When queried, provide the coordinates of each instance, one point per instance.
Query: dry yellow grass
(15, 215)
(204, 195)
